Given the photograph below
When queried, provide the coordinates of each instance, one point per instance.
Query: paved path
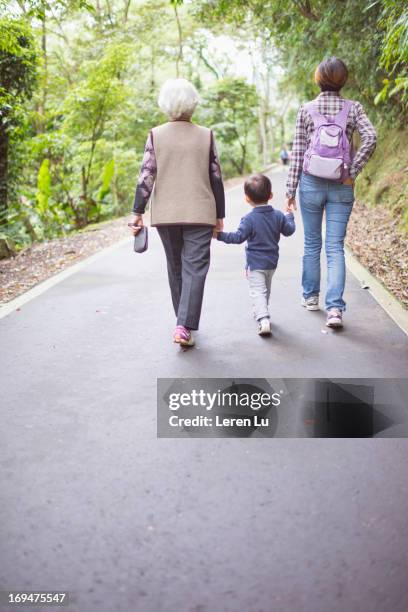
(93, 503)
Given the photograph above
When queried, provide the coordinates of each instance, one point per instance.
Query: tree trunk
(271, 136)
(262, 133)
(7, 248)
(236, 166)
(282, 128)
(243, 159)
(180, 42)
(41, 105)
(207, 63)
(4, 149)
(29, 228)
(126, 11)
(153, 71)
(305, 9)
(84, 183)
(81, 210)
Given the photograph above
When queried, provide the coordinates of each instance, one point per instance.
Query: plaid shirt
(329, 103)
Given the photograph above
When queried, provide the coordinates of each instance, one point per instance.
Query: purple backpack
(329, 153)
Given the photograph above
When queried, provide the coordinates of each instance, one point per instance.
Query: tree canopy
(79, 83)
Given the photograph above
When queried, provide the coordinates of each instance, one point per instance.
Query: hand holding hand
(219, 226)
(290, 205)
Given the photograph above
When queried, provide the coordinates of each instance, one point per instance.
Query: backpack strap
(317, 118)
(341, 117)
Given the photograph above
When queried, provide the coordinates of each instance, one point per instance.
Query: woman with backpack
(324, 166)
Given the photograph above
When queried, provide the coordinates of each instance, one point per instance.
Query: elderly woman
(181, 176)
(325, 166)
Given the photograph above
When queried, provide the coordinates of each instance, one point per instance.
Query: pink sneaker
(183, 336)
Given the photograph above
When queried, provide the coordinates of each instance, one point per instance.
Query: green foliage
(38, 8)
(18, 69)
(99, 94)
(44, 187)
(230, 107)
(89, 111)
(107, 177)
(79, 82)
(18, 72)
(47, 216)
(385, 179)
(371, 37)
(394, 54)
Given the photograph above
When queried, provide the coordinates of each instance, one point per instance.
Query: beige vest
(182, 191)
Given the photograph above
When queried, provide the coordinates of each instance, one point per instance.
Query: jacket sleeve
(217, 185)
(147, 177)
(243, 232)
(368, 137)
(288, 226)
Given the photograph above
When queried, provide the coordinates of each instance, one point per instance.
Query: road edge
(40, 288)
(53, 280)
(382, 296)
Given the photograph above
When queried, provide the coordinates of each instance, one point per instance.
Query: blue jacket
(261, 228)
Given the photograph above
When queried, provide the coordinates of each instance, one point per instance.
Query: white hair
(178, 98)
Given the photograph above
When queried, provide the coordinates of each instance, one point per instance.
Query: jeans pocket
(341, 193)
(309, 183)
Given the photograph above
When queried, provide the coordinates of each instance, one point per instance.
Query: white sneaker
(334, 318)
(311, 303)
(264, 327)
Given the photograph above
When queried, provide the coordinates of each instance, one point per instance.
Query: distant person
(325, 167)
(262, 229)
(181, 176)
(290, 151)
(284, 156)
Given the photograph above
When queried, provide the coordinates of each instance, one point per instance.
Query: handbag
(141, 240)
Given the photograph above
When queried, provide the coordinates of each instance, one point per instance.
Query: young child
(261, 228)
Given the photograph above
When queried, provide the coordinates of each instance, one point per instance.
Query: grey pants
(259, 291)
(187, 249)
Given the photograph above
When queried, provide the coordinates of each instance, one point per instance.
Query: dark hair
(258, 188)
(331, 74)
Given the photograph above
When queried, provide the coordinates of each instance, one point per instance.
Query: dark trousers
(187, 249)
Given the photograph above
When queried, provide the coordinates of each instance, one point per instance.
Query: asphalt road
(93, 503)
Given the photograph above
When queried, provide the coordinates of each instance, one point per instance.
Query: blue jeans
(318, 195)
